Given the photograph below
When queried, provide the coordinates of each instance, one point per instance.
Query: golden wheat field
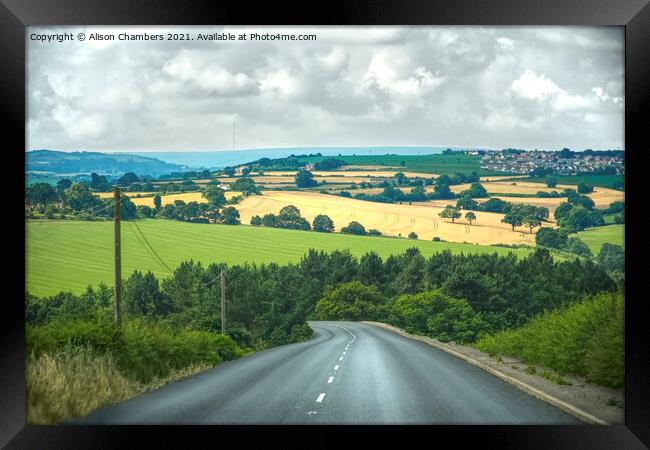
(390, 219)
(166, 199)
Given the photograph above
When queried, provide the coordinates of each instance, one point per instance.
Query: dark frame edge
(637, 107)
(12, 329)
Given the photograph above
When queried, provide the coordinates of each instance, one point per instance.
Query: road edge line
(561, 404)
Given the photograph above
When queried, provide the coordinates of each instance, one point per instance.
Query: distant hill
(69, 163)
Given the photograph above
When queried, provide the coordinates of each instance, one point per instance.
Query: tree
(99, 183)
(550, 237)
(144, 211)
(450, 212)
(583, 200)
(400, 178)
(215, 196)
(615, 207)
(441, 189)
(476, 190)
(454, 320)
(230, 216)
(562, 210)
(246, 171)
(467, 203)
(531, 221)
(371, 269)
(493, 205)
(128, 179)
(611, 257)
(128, 210)
(350, 301)
(230, 171)
(470, 216)
(576, 246)
(551, 182)
(63, 184)
(413, 235)
(305, 179)
(41, 194)
(323, 223)
(256, 220)
(80, 198)
(584, 188)
(354, 227)
(270, 220)
(246, 185)
(374, 232)
(329, 164)
(514, 218)
(142, 296)
(578, 218)
(157, 202)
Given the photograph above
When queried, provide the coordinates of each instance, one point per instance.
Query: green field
(610, 219)
(597, 236)
(437, 163)
(594, 180)
(70, 255)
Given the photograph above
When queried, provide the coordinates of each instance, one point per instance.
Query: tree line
(269, 304)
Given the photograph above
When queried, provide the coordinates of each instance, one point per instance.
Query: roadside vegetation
(585, 339)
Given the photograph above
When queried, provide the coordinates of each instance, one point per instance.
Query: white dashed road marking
(330, 380)
(320, 397)
(336, 367)
(341, 358)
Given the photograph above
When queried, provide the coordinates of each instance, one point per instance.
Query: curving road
(348, 373)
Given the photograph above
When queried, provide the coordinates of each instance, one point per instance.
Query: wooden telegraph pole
(118, 257)
(223, 305)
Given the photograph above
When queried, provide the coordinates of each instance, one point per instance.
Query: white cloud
(78, 125)
(209, 77)
(506, 43)
(530, 87)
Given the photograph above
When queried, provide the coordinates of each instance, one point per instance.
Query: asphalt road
(349, 373)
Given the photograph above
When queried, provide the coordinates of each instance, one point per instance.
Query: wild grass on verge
(72, 382)
(585, 339)
(76, 366)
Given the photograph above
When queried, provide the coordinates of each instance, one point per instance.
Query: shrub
(612, 257)
(350, 301)
(354, 228)
(141, 350)
(585, 338)
(437, 315)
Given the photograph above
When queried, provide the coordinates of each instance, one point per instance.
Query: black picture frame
(15, 15)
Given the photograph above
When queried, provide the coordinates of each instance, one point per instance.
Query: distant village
(563, 162)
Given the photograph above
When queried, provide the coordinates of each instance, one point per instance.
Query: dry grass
(390, 219)
(72, 383)
(76, 381)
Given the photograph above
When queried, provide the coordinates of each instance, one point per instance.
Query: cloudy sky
(493, 87)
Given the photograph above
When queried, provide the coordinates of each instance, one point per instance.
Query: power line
(155, 254)
(152, 249)
(145, 246)
(92, 210)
